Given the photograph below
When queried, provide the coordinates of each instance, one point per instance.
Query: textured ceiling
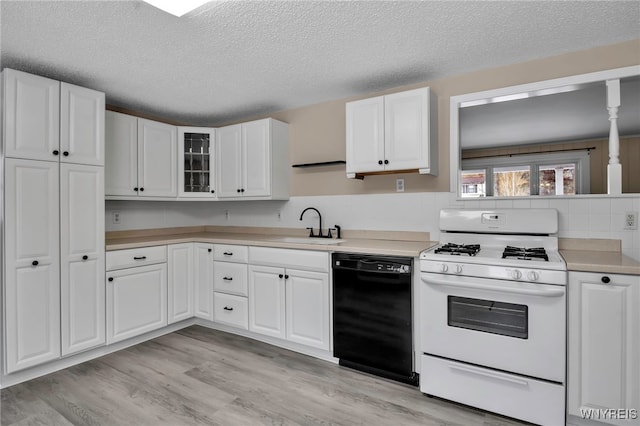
(229, 60)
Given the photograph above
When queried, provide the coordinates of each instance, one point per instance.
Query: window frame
(580, 158)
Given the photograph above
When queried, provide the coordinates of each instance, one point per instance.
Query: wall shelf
(324, 163)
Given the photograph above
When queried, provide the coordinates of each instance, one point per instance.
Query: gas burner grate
(525, 253)
(458, 249)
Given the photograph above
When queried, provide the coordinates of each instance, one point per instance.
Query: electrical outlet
(631, 220)
(400, 185)
(226, 214)
(115, 216)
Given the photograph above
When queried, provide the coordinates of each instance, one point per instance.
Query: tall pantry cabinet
(53, 287)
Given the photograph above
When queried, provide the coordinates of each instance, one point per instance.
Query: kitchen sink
(308, 240)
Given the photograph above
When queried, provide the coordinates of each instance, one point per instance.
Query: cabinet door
(196, 165)
(82, 257)
(308, 308)
(31, 116)
(365, 135)
(136, 301)
(267, 301)
(256, 158)
(32, 262)
(406, 130)
(157, 159)
(81, 125)
(180, 282)
(121, 152)
(203, 280)
(229, 161)
(604, 345)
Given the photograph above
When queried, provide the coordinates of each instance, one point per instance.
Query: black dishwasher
(372, 315)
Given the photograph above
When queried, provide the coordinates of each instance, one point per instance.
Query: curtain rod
(529, 153)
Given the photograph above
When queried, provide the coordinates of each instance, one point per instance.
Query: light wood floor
(199, 376)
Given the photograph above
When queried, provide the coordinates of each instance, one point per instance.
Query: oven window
(488, 316)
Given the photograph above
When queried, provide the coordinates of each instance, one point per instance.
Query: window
(548, 174)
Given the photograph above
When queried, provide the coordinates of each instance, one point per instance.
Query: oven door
(513, 326)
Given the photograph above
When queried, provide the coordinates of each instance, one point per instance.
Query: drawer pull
(227, 278)
(226, 308)
(139, 257)
(228, 253)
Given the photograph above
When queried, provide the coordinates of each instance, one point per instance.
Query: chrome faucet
(311, 234)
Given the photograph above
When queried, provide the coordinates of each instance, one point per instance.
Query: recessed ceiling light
(177, 8)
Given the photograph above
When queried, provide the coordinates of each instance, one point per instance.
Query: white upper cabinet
(196, 163)
(52, 121)
(229, 157)
(31, 116)
(604, 346)
(157, 159)
(252, 160)
(81, 125)
(396, 132)
(82, 257)
(141, 157)
(121, 151)
(31, 263)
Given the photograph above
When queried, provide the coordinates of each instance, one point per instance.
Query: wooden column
(614, 169)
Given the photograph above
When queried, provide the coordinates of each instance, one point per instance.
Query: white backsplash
(589, 217)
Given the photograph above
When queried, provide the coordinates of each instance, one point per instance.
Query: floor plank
(198, 376)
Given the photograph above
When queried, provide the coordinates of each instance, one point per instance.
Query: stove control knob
(516, 274)
(444, 267)
(457, 269)
(533, 276)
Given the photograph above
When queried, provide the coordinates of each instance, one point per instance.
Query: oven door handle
(489, 374)
(524, 291)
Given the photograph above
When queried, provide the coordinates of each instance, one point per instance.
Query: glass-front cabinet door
(196, 177)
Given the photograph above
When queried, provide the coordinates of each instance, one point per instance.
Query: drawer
(520, 397)
(231, 310)
(129, 258)
(307, 260)
(230, 278)
(230, 253)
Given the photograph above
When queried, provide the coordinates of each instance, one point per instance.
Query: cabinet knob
(135, 189)
(386, 161)
(85, 257)
(286, 277)
(35, 263)
(56, 152)
(238, 190)
(380, 162)
(605, 280)
(110, 279)
(141, 189)
(242, 190)
(213, 192)
(65, 153)
(280, 275)
(209, 250)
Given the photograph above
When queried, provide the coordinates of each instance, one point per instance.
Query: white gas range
(493, 313)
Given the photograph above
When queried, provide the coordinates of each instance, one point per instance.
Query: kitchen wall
(588, 217)
(317, 134)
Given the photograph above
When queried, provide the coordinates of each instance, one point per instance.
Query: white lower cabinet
(267, 300)
(203, 280)
(604, 348)
(230, 310)
(180, 284)
(136, 296)
(230, 304)
(82, 257)
(286, 301)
